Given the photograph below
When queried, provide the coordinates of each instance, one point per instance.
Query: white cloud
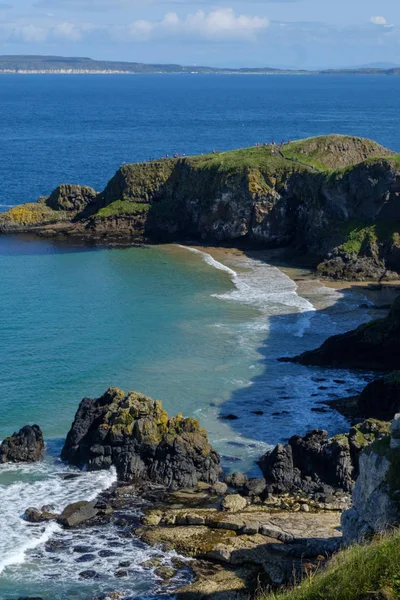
(379, 21)
(24, 33)
(67, 31)
(219, 24)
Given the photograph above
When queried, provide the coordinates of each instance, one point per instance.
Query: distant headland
(37, 65)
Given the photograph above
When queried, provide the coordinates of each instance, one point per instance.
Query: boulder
(133, 433)
(25, 446)
(376, 495)
(33, 515)
(374, 346)
(234, 503)
(236, 480)
(316, 463)
(78, 513)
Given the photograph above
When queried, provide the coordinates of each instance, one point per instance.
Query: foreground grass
(359, 573)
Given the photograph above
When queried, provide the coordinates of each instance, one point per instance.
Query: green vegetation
(362, 572)
(359, 233)
(120, 208)
(31, 214)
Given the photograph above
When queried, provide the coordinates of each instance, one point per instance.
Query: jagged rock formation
(335, 198)
(134, 433)
(316, 463)
(375, 346)
(25, 446)
(376, 496)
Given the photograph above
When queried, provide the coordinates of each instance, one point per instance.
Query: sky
(232, 33)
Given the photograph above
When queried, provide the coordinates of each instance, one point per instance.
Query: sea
(198, 328)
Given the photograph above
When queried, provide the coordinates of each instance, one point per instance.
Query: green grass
(121, 208)
(357, 233)
(361, 572)
(257, 157)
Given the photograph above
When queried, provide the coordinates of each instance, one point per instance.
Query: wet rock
(78, 513)
(86, 558)
(106, 553)
(33, 515)
(165, 573)
(234, 503)
(125, 564)
(89, 574)
(121, 573)
(83, 549)
(25, 446)
(229, 417)
(134, 433)
(151, 563)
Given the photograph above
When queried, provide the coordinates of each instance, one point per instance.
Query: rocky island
(333, 200)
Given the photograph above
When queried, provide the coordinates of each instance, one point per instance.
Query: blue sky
(289, 33)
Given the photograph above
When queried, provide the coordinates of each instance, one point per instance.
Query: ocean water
(196, 328)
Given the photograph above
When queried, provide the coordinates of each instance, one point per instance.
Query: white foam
(265, 287)
(36, 485)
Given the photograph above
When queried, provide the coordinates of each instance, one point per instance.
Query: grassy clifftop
(323, 196)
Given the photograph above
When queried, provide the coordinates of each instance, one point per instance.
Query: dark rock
(381, 398)
(83, 549)
(236, 480)
(135, 434)
(106, 553)
(89, 574)
(25, 446)
(229, 417)
(85, 558)
(315, 462)
(125, 564)
(121, 574)
(33, 515)
(319, 409)
(374, 346)
(78, 513)
(254, 487)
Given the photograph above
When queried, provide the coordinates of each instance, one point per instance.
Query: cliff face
(376, 506)
(336, 198)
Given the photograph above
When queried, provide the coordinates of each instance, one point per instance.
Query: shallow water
(173, 323)
(169, 321)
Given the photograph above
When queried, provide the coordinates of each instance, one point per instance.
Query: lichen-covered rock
(316, 463)
(376, 495)
(133, 433)
(70, 198)
(25, 446)
(375, 345)
(234, 503)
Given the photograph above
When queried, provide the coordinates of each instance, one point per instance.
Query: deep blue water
(201, 334)
(79, 129)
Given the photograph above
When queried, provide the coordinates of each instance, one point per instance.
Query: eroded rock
(134, 433)
(25, 446)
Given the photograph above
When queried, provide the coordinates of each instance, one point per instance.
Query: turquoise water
(200, 333)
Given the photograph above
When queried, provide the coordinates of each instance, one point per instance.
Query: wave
(265, 287)
(38, 485)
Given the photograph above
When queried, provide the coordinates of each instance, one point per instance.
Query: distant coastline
(58, 65)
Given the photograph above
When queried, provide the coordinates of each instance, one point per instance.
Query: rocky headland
(333, 200)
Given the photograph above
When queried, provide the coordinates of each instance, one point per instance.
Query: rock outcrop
(318, 464)
(25, 446)
(373, 346)
(334, 198)
(376, 496)
(133, 433)
(380, 399)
